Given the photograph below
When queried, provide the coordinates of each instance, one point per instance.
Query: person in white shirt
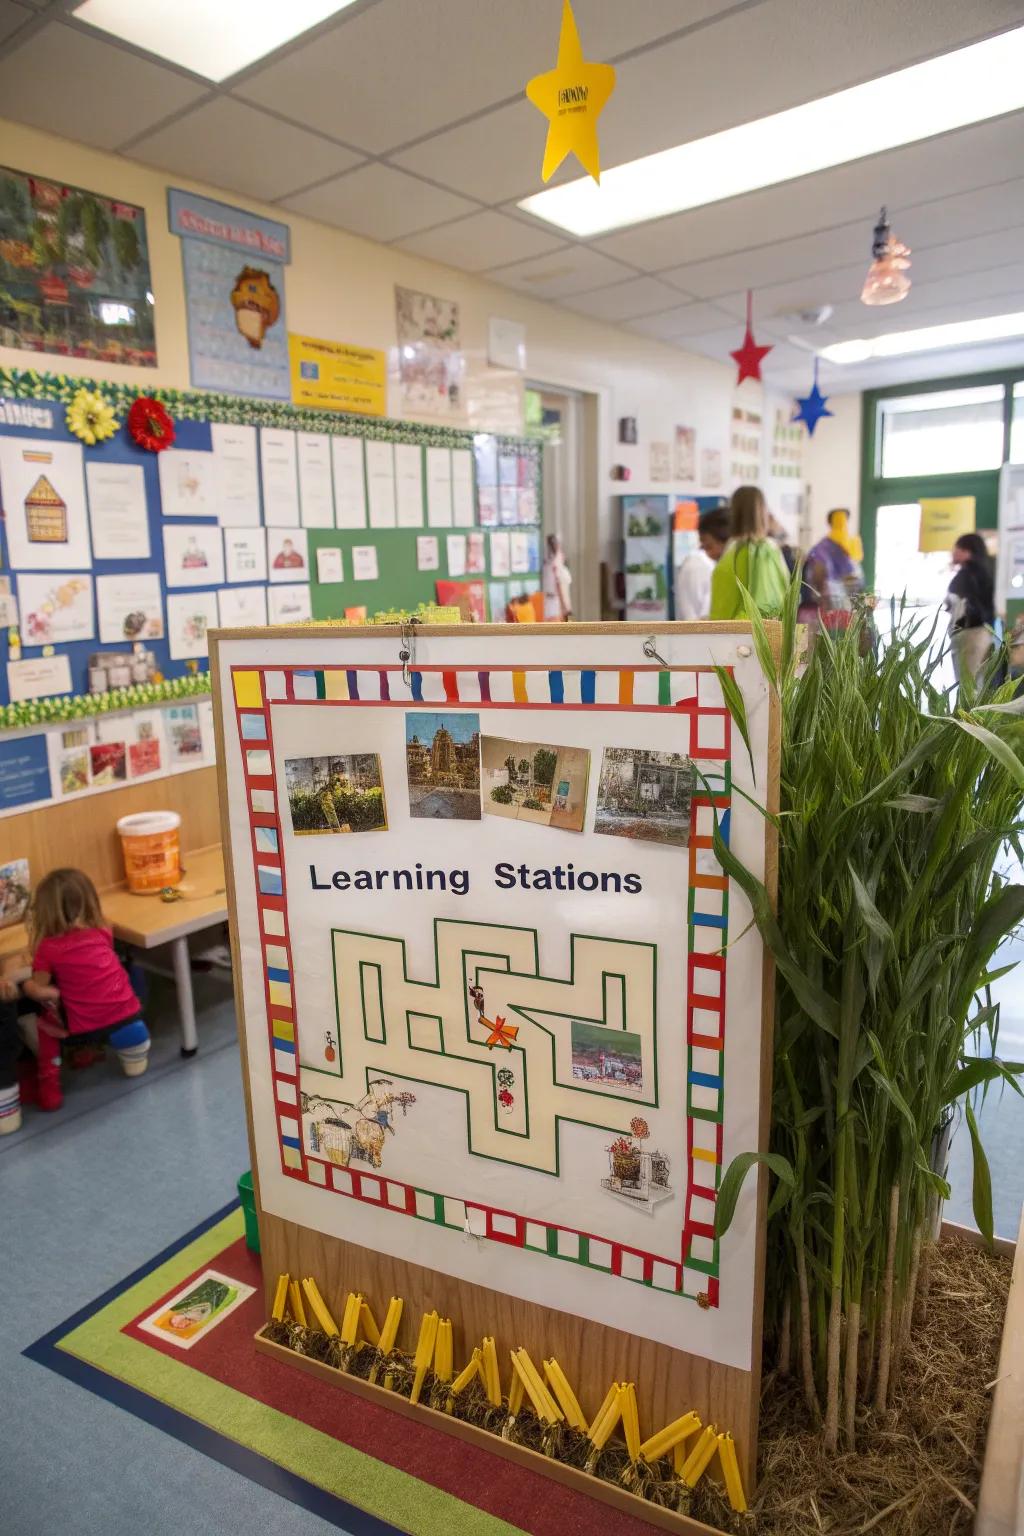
(556, 582)
(693, 575)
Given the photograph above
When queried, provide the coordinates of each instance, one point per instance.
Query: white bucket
(150, 843)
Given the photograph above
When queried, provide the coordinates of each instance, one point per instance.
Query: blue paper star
(812, 406)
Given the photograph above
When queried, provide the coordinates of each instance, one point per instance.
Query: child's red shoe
(28, 1080)
(50, 1096)
(78, 1057)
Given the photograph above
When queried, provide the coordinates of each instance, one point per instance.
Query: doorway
(563, 420)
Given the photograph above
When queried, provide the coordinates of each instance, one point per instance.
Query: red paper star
(501, 1033)
(750, 356)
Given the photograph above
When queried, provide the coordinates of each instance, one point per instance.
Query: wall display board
(504, 1019)
(648, 553)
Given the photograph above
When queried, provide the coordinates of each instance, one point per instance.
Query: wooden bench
(82, 834)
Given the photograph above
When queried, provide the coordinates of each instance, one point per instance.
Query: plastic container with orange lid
(151, 846)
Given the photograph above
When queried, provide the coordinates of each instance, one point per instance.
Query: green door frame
(875, 491)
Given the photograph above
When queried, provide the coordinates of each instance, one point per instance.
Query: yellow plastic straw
(630, 1420)
(490, 1373)
(515, 1394)
(443, 1350)
(699, 1457)
(612, 1394)
(672, 1435)
(601, 1432)
(280, 1297)
(731, 1469)
(370, 1330)
(467, 1373)
(350, 1320)
(565, 1395)
(424, 1353)
(320, 1311)
(295, 1302)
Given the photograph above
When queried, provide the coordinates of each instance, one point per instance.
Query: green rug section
(373, 1485)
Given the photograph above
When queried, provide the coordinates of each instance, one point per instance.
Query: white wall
(832, 463)
(341, 287)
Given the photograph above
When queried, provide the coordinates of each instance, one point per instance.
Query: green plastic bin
(247, 1195)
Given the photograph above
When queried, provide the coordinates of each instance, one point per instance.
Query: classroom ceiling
(405, 121)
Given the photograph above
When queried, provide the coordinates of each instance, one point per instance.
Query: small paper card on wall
(8, 605)
(427, 553)
(501, 555)
(476, 562)
(456, 554)
(439, 487)
(188, 484)
(289, 605)
(242, 607)
(117, 511)
(245, 554)
(189, 616)
(130, 607)
(508, 505)
(68, 759)
(497, 599)
(287, 554)
(55, 609)
(943, 520)
(330, 565)
(364, 562)
(409, 485)
(193, 555)
(380, 484)
(487, 505)
(280, 471)
(519, 551)
(38, 679)
(184, 736)
(316, 490)
(349, 482)
(463, 502)
(237, 477)
(145, 741)
(45, 519)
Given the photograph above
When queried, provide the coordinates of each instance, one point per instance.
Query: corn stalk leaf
(982, 1187)
(737, 709)
(732, 1183)
(984, 1069)
(1000, 750)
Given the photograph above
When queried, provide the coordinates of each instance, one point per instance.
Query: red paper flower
(639, 1127)
(150, 424)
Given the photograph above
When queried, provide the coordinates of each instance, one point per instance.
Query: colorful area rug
(354, 1464)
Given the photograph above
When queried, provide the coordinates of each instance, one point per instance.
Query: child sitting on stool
(74, 964)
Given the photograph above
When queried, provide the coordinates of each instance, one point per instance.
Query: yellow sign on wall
(333, 376)
(943, 520)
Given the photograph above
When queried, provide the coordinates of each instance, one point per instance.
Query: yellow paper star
(572, 97)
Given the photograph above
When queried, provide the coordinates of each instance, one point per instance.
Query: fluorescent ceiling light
(968, 86)
(897, 343)
(212, 38)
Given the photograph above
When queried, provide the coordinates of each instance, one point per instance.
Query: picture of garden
(603, 1056)
(645, 795)
(336, 794)
(532, 781)
(74, 273)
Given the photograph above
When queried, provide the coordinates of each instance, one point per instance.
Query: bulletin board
(504, 1019)
(47, 474)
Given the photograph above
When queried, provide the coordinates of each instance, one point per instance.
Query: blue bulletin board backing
(34, 405)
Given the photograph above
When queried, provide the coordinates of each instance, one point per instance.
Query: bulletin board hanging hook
(650, 651)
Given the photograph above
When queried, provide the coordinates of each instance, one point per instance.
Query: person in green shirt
(751, 559)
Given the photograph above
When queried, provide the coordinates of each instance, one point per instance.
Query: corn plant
(896, 799)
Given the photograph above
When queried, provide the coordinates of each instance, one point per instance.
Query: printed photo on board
(336, 794)
(645, 795)
(607, 1058)
(442, 759)
(531, 781)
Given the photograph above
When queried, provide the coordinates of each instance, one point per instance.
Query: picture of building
(46, 514)
(603, 1057)
(532, 781)
(442, 756)
(645, 795)
(336, 794)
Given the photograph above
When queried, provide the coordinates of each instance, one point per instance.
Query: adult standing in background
(971, 603)
(556, 583)
(751, 559)
(693, 574)
(831, 571)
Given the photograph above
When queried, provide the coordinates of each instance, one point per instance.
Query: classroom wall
(341, 287)
(832, 463)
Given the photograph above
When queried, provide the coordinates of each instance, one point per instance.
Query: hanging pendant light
(887, 281)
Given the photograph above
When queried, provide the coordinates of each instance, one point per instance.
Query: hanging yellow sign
(943, 520)
(572, 97)
(333, 376)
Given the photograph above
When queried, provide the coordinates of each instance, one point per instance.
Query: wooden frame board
(669, 1380)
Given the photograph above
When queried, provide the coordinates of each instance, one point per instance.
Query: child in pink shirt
(75, 965)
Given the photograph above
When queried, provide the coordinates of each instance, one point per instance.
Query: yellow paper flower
(91, 418)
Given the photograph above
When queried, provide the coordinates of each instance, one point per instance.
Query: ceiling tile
(378, 202)
(496, 158)
(384, 75)
(571, 270)
(235, 146)
(482, 240)
(681, 321)
(70, 83)
(12, 17)
(625, 301)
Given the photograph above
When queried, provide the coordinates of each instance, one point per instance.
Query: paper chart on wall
(349, 482)
(245, 554)
(193, 555)
(380, 484)
(427, 552)
(409, 485)
(501, 555)
(288, 554)
(237, 475)
(364, 562)
(117, 511)
(476, 559)
(189, 616)
(289, 605)
(330, 565)
(519, 553)
(456, 543)
(68, 757)
(316, 490)
(55, 609)
(280, 472)
(184, 736)
(242, 607)
(439, 487)
(463, 502)
(119, 746)
(42, 491)
(130, 607)
(38, 678)
(188, 483)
